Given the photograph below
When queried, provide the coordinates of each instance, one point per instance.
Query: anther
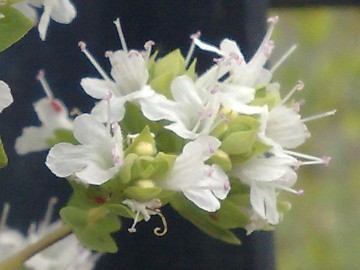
(149, 44)
(227, 186)
(300, 192)
(299, 86)
(190, 53)
(214, 90)
(273, 19)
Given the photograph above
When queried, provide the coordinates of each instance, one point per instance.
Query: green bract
(3, 156)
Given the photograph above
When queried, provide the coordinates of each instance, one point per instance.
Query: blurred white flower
(61, 11)
(98, 157)
(5, 96)
(52, 114)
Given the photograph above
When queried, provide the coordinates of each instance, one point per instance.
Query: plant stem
(19, 258)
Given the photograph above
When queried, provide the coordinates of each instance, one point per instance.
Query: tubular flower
(202, 184)
(98, 157)
(129, 73)
(266, 175)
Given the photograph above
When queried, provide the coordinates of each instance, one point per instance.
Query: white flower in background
(202, 184)
(98, 157)
(67, 253)
(61, 11)
(129, 73)
(193, 111)
(52, 114)
(5, 96)
(266, 175)
(11, 241)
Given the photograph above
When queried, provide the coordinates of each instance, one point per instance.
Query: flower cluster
(213, 146)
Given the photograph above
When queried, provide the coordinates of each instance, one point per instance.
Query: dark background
(27, 184)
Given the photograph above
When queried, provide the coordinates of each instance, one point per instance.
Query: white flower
(67, 254)
(98, 157)
(129, 83)
(52, 114)
(61, 11)
(5, 96)
(266, 174)
(193, 111)
(247, 74)
(202, 184)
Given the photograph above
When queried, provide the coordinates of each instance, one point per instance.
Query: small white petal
(204, 199)
(33, 139)
(5, 96)
(97, 88)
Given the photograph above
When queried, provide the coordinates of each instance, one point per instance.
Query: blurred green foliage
(323, 229)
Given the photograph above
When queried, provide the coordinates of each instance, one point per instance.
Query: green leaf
(3, 156)
(13, 26)
(203, 220)
(93, 226)
(230, 216)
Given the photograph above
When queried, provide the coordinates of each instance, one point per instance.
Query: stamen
(148, 45)
(283, 58)
(309, 160)
(207, 47)
(4, 216)
(297, 105)
(121, 34)
(92, 60)
(41, 78)
(48, 214)
(157, 230)
(299, 86)
(214, 90)
(300, 192)
(192, 48)
(318, 116)
(132, 229)
(268, 47)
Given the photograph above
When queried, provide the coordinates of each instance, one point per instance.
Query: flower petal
(203, 199)
(5, 96)
(97, 88)
(33, 139)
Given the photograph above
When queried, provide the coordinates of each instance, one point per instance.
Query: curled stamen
(318, 116)
(121, 34)
(157, 230)
(4, 216)
(92, 60)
